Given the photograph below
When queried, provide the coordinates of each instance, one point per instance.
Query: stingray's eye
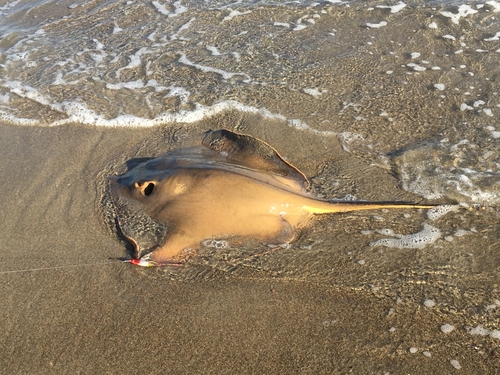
(146, 188)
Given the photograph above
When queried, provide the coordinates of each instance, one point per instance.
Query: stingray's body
(231, 185)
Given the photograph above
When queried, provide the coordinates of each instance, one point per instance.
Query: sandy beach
(70, 305)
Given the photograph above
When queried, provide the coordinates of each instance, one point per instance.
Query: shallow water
(371, 102)
(411, 88)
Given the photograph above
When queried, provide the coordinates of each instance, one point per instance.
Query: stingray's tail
(343, 206)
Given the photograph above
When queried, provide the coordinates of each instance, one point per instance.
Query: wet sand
(70, 306)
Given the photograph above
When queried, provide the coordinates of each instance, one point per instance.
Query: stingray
(232, 185)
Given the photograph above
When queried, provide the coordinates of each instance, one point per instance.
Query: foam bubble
(494, 133)
(299, 27)
(7, 7)
(376, 25)
(178, 8)
(226, 75)
(429, 303)
(314, 92)
(488, 112)
(135, 60)
(447, 328)
(415, 55)
(13, 120)
(481, 331)
(413, 350)
(4, 98)
(455, 364)
(125, 85)
(495, 5)
(463, 11)
(394, 8)
(417, 240)
(235, 13)
(465, 106)
(387, 232)
(216, 244)
(214, 50)
(417, 67)
(439, 86)
(439, 211)
(117, 29)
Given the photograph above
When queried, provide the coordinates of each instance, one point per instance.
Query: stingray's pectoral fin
(177, 247)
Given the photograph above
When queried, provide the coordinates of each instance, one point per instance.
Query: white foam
(447, 328)
(386, 232)
(180, 92)
(135, 60)
(214, 51)
(439, 86)
(429, 303)
(235, 13)
(77, 112)
(314, 92)
(439, 211)
(415, 55)
(283, 24)
(186, 26)
(178, 8)
(394, 8)
(455, 364)
(481, 331)
(451, 37)
(8, 6)
(216, 244)
(417, 240)
(495, 5)
(117, 29)
(463, 11)
(488, 112)
(376, 25)
(413, 350)
(494, 133)
(493, 305)
(9, 118)
(433, 25)
(299, 27)
(496, 37)
(4, 98)
(125, 85)
(416, 67)
(207, 69)
(426, 353)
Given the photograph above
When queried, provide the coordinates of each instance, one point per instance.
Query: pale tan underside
(215, 204)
